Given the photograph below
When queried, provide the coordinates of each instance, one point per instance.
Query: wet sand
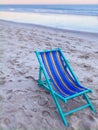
(24, 105)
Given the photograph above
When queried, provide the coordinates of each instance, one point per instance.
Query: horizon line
(50, 4)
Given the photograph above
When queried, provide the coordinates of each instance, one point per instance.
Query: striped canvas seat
(59, 75)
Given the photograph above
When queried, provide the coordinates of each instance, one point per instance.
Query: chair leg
(60, 110)
(89, 102)
(40, 77)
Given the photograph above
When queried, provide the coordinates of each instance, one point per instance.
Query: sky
(48, 1)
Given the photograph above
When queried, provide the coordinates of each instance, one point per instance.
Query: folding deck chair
(60, 80)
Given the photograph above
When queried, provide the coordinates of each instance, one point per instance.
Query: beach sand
(24, 105)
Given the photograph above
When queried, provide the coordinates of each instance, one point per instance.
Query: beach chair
(59, 79)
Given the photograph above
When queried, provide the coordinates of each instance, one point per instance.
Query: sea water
(71, 17)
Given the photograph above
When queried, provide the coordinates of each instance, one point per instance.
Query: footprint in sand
(51, 113)
(9, 94)
(87, 67)
(88, 80)
(6, 121)
(9, 91)
(84, 56)
(96, 52)
(45, 113)
(42, 101)
(54, 114)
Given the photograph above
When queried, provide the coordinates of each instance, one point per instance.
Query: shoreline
(78, 33)
(67, 22)
(24, 104)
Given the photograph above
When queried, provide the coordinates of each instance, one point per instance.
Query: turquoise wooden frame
(47, 85)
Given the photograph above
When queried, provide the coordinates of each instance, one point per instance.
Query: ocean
(70, 17)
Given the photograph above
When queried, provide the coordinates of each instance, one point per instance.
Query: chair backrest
(58, 73)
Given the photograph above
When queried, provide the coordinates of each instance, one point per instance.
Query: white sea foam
(62, 21)
(11, 9)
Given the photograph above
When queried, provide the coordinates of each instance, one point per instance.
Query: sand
(24, 105)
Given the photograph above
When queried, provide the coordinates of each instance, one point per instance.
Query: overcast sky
(48, 1)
